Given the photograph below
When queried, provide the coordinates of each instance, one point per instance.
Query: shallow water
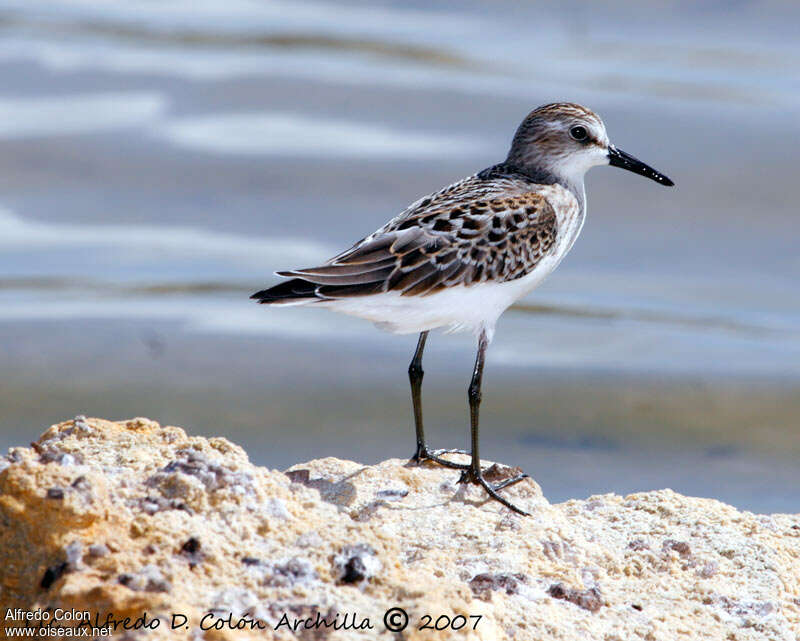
(159, 162)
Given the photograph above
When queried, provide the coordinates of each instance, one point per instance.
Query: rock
(136, 520)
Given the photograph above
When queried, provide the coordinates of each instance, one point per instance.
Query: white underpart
(477, 307)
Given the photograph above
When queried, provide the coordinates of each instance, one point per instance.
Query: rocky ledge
(141, 528)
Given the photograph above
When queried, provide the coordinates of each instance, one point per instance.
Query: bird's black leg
(415, 375)
(473, 473)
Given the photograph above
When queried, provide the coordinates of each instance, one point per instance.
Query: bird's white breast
(570, 215)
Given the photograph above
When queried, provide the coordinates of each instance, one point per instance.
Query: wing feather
(463, 235)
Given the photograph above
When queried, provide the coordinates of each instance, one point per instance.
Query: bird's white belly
(457, 308)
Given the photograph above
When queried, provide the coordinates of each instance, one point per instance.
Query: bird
(456, 259)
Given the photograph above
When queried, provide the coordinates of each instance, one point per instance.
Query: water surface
(158, 162)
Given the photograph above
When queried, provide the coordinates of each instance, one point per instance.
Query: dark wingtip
(289, 290)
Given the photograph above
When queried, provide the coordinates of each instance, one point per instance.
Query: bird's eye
(579, 133)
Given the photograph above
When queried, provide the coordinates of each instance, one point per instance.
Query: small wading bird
(460, 257)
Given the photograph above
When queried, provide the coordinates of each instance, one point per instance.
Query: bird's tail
(291, 292)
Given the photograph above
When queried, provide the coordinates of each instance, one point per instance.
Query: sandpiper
(458, 258)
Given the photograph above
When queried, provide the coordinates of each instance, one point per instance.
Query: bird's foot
(470, 475)
(424, 454)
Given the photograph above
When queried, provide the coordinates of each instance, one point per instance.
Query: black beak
(618, 158)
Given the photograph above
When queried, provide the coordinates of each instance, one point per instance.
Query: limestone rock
(132, 519)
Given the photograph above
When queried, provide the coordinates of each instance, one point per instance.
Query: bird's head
(566, 140)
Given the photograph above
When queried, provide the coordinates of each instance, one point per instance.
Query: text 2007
(444, 622)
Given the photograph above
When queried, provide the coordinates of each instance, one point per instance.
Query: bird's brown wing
(432, 247)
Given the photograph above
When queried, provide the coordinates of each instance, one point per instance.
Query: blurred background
(159, 160)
